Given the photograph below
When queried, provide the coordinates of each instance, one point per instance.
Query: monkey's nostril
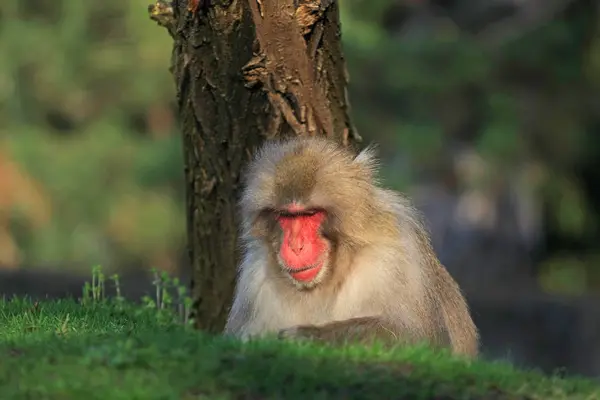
(297, 248)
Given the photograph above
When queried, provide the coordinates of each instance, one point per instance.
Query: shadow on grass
(179, 363)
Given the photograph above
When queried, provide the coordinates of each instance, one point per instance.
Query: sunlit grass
(110, 349)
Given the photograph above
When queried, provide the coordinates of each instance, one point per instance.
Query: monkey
(328, 254)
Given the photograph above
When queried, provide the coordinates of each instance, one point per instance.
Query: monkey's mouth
(305, 274)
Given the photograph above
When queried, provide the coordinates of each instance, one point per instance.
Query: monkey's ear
(367, 158)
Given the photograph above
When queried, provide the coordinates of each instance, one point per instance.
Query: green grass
(114, 350)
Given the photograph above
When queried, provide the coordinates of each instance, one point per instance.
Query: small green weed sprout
(167, 306)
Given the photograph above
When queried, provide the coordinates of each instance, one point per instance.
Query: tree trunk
(245, 71)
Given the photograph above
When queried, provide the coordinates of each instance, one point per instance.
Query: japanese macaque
(331, 256)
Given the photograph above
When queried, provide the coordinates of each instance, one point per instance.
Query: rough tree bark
(245, 71)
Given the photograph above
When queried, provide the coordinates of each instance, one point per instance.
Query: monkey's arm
(362, 330)
(238, 317)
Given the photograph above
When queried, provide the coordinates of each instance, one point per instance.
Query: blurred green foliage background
(90, 158)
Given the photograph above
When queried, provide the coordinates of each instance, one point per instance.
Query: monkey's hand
(359, 330)
(299, 332)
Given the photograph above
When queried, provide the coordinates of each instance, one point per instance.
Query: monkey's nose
(297, 247)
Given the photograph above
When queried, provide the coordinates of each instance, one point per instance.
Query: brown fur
(382, 280)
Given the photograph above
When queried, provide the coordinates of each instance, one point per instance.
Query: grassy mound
(112, 350)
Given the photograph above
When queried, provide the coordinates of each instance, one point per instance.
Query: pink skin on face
(302, 246)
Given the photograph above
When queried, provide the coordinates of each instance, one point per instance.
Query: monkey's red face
(303, 251)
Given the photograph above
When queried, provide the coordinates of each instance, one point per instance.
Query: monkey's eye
(288, 214)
